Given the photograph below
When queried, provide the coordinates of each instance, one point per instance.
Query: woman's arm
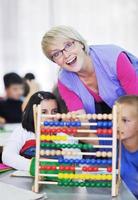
(127, 75)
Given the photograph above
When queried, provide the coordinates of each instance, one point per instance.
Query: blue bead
(78, 123)
(99, 124)
(51, 123)
(82, 161)
(93, 161)
(77, 161)
(109, 161)
(105, 124)
(73, 123)
(68, 124)
(60, 160)
(61, 123)
(66, 161)
(56, 123)
(88, 161)
(71, 161)
(98, 161)
(46, 123)
(109, 124)
(104, 161)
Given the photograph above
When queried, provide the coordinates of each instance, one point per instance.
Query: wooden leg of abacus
(36, 183)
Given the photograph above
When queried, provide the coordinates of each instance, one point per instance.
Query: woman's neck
(131, 144)
(88, 68)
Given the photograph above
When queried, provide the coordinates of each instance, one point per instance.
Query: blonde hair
(57, 32)
(131, 100)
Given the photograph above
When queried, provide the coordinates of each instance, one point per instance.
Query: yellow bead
(103, 177)
(42, 137)
(48, 137)
(60, 175)
(109, 177)
(72, 176)
(98, 177)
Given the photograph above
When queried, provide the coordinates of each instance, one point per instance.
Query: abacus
(100, 163)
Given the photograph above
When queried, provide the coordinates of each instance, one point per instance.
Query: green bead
(63, 146)
(74, 146)
(47, 145)
(80, 146)
(85, 146)
(53, 145)
(71, 183)
(76, 184)
(58, 145)
(98, 184)
(60, 183)
(68, 145)
(90, 146)
(82, 184)
(92, 184)
(103, 184)
(109, 184)
(87, 184)
(66, 184)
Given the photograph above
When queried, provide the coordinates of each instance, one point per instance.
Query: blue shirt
(129, 169)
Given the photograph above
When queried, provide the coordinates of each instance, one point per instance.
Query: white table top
(59, 193)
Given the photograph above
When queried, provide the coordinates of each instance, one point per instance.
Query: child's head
(48, 104)
(128, 117)
(13, 85)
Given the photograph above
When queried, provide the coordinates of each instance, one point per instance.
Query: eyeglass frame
(62, 50)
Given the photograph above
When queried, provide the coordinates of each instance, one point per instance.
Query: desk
(60, 193)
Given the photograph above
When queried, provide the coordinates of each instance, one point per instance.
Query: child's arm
(11, 156)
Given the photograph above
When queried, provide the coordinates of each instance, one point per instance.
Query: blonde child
(128, 129)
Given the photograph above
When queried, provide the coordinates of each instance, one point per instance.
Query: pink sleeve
(72, 101)
(127, 75)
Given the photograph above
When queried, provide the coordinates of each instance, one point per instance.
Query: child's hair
(130, 100)
(27, 118)
(12, 78)
(29, 76)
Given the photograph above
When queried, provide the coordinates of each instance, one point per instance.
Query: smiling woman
(102, 73)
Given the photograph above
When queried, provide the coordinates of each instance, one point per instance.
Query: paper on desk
(10, 192)
(21, 173)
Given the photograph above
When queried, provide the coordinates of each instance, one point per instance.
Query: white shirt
(11, 152)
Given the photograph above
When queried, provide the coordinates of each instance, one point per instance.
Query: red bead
(58, 130)
(53, 168)
(104, 131)
(67, 168)
(110, 131)
(72, 168)
(109, 169)
(95, 169)
(99, 130)
(61, 168)
(84, 168)
(90, 169)
(43, 130)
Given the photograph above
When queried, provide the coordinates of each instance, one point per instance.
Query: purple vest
(104, 58)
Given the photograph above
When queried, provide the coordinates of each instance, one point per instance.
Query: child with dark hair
(128, 128)
(10, 108)
(21, 146)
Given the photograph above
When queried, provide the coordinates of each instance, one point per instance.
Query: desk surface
(59, 193)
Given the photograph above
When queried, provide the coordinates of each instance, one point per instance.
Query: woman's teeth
(72, 61)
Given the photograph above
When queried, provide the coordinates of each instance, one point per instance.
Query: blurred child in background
(10, 107)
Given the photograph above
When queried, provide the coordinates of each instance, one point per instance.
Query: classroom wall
(23, 23)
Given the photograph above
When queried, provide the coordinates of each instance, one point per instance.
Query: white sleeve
(11, 152)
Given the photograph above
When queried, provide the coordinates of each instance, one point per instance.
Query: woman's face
(128, 121)
(68, 54)
(49, 107)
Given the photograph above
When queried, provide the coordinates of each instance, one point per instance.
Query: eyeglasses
(69, 46)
